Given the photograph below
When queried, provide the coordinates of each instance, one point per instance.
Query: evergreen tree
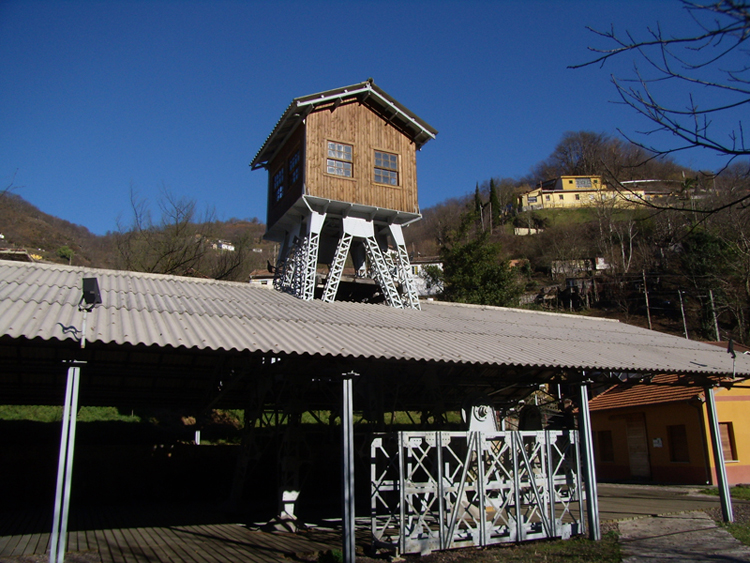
(473, 270)
(495, 207)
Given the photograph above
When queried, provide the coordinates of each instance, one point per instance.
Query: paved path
(689, 537)
(666, 524)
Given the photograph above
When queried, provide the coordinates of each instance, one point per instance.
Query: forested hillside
(179, 241)
(688, 252)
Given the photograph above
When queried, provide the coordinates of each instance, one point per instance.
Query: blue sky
(98, 97)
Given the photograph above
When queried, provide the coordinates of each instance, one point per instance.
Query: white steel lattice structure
(443, 490)
(296, 266)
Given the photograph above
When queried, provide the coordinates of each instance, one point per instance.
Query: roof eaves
(419, 130)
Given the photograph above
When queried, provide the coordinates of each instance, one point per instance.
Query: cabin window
(727, 441)
(386, 168)
(278, 185)
(339, 160)
(294, 168)
(678, 443)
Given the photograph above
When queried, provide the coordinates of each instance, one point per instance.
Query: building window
(386, 168)
(578, 197)
(546, 197)
(278, 185)
(561, 197)
(727, 441)
(678, 443)
(339, 160)
(605, 445)
(294, 168)
(532, 199)
(583, 182)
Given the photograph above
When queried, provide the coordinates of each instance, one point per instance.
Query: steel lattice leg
(337, 268)
(411, 297)
(382, 275)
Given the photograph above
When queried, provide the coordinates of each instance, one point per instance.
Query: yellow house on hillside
(660, 432)
(575, 191)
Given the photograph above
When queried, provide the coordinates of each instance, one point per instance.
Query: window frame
(389, 169)
(336, 157)
(278, 184)
(294, 167)
(727, 441)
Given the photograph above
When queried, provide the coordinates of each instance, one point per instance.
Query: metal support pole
(59, 537)
(592, 501)
(90, 298)
(721, 468)
(347, 468)
(682, 308)
(713, 312)
(645, 293)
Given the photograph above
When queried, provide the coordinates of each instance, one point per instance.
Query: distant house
(576, 191)
(223, 245)
(418, 271)
(659, 432)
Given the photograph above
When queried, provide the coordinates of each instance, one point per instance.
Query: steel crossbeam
(442, 490)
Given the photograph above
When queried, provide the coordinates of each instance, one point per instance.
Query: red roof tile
(660, 390)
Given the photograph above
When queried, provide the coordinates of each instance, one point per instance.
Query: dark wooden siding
(292, 193)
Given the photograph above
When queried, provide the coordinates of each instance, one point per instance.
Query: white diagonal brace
(337, 268)
(404, 269)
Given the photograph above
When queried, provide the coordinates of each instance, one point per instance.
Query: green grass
(739, 492)
(739, 531)
(43, 413)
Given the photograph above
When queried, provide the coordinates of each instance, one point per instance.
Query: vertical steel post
(551, 494)
(59, 537)
(441, 491)
(592, 501)
(682, 309)
(347, 468)
(721, 468)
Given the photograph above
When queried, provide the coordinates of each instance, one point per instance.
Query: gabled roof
(366, 92)
(663, 388)
(39, 301)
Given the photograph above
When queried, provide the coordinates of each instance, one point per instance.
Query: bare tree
(709, 63)
(180, 242)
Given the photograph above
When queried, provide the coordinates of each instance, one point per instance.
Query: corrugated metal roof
(663, 389)
(40, 301)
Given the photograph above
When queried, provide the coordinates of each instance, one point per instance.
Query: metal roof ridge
(526, 311)
(121, 273)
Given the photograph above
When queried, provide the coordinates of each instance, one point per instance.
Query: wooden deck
(191, 534)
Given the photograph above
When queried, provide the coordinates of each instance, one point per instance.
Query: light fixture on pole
(90, 298)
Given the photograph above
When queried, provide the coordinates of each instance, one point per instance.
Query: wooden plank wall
(354, 124)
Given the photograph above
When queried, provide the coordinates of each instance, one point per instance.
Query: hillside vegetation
(144, 245)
